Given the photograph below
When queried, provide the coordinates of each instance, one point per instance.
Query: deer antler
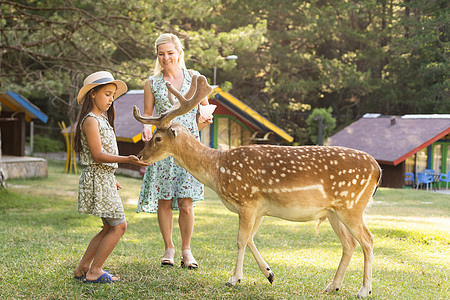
(198, 91)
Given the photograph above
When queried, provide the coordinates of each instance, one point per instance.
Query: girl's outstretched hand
(136, 161)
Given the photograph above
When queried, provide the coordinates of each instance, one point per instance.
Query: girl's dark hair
(88, 103)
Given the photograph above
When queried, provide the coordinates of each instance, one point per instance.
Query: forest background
(347, 57)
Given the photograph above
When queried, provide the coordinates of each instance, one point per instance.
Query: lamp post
(321, 127)
(229, 57)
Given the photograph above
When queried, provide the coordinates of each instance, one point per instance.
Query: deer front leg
(263, 266)
(246, 223)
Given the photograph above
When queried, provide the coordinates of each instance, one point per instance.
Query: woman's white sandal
(188, 260)
(168, 258)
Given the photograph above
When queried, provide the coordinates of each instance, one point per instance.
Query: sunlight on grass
(42, 238)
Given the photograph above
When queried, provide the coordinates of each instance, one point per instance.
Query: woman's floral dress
(164, 179)
(97, 186)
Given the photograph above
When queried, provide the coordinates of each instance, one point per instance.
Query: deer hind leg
(364, 237)
(348, 246)
(247, 220)
(263, 266)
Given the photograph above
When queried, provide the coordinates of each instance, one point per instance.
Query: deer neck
(199, 160)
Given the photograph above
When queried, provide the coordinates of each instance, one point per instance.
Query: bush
(46, 144)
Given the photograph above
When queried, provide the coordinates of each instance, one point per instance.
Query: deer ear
(173, 131)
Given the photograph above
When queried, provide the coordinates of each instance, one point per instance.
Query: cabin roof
(17, 103)
(392, 139)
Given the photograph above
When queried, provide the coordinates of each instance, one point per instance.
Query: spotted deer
(300, 184)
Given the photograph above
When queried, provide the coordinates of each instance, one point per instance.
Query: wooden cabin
(400, 144)
(15, 114)
(235, 124)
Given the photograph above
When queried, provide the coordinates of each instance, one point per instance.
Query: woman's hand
(202, 123)
(147, 133)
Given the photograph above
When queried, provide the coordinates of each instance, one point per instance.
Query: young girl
(95, 141)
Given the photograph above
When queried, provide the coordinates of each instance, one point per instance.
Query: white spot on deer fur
(331, 176)
(255, 189)
(238, 177)
(222, 170)
(270, 181)
(362, 181)
(228, 171)
(325, 167)
(349, 184)
(352, 195)
(274, 172)
(263, 171)
(344, 194)
(349, 204)
(240, 165)
(354, 181)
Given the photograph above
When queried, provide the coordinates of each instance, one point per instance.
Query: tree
(48, 47)
(320, 124)
(363, 56)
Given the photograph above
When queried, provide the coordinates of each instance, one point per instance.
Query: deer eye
(158, 139)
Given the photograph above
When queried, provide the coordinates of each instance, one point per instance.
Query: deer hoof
(364, 292)
(331, 288)
(229, 284)
(271, 276)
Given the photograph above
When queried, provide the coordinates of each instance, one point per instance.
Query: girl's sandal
(168, 258)
(188, 260)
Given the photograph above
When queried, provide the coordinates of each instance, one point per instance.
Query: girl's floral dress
(97, 186)
(164, 179)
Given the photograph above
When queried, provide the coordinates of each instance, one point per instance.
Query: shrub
(46, 144)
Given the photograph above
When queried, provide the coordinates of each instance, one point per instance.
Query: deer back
(330, 177)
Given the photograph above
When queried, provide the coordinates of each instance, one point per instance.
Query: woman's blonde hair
(164, 39)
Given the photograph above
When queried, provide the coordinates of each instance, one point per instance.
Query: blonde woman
(166, 186)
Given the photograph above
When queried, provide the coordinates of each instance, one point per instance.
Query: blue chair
(429, 171)
(409, 177)
(424, 178)
(445, 178)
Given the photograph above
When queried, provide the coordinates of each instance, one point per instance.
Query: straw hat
(99, 78)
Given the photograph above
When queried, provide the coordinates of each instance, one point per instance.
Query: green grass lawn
(42, 238)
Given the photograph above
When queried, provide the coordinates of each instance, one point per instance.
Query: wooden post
(2, 174)
(71, 157)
